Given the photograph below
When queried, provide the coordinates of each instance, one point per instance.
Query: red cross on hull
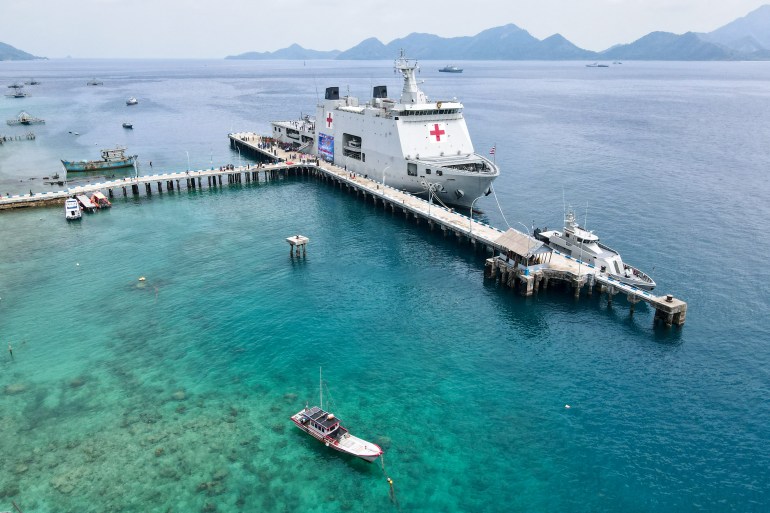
(438, 132)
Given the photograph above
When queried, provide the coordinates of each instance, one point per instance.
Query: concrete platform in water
(518, 259)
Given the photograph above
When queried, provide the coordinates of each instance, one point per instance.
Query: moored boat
(326, 428)
(128, 125)
(451, 69)
(132, 101)
(72, 209)
(18, 92)
(413, 143)
(114, 158)
(581, 244)
(23, 118)
(100, 200)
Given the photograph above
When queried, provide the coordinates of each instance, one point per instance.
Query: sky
(215, 29)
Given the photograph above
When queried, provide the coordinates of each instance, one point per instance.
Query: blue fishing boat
(114, 158)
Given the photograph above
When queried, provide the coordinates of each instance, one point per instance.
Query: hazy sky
(214, 29)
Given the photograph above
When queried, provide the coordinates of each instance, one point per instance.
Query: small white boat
(72, 209)
(579, 243)
(128, 125)
(132, 101)
(326, 428)
(449, 68)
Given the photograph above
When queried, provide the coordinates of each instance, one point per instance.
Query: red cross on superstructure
(329, 120)
(437, 132)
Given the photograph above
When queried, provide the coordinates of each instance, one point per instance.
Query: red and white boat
(326, 428)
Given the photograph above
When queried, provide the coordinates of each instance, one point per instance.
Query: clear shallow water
(177, 394)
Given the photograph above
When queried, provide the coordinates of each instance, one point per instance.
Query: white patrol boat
(325, 427)
(579, 243)
(413, 144)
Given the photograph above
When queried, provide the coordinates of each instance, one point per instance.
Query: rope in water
(391, 490)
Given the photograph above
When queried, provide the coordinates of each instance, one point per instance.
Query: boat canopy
(322, 418)
(520, 243)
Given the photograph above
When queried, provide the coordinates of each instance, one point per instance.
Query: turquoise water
(175, 393)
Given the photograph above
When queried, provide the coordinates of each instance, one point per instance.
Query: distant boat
(18, 92)
(132, 101)
(597, 65)
(25, 119)
(94, 82)
(16, 85)
(326, 428)
(72, 210)
(32, 81)
(451, 69)
(128, 125)
(114, 158)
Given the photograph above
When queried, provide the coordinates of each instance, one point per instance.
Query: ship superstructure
(413, 143)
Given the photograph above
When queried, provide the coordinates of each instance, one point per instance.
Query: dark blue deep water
(174, 394)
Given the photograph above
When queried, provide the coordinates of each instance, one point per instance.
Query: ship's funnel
(332, 93)
(380, 91)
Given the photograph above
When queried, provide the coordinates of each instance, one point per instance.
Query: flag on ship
(492, 150)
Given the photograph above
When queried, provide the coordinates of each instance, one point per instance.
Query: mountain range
(746, 38)
(9, 53)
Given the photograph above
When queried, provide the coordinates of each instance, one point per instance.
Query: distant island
(746, 38)
(9, 53)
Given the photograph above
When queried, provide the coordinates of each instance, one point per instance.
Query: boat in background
(18, 92)
(32, 81)
(128, 125)
(132, 101)
(23, 118)
(94, 82)
(114, 158)
(597, 65)
(72, 209)
(325, 427)
(583, 245)
(451, 69)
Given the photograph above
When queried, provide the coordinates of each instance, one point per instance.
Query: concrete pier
(518, 260)
(297, 244)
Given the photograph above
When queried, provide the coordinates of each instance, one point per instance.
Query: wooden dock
(517, 259)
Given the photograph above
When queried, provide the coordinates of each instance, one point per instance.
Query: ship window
(411, 169)
(439, 172)
(427, 171)
(363, 157)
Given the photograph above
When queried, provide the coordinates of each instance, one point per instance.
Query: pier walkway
(518, 259)
(516, 256)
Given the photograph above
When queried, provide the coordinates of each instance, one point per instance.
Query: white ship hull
(412, 144)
